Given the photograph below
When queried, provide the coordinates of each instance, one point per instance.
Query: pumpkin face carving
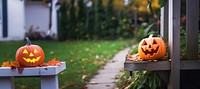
(152, 48)
(30, 55)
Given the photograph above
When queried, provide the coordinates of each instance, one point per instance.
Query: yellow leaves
(97, 56)
(143, 4)
(87, 49)
(71, 61)
(84, 76)
(155, 4)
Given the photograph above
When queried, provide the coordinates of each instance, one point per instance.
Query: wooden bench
(48, 76)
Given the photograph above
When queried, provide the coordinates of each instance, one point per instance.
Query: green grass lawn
(83, 59)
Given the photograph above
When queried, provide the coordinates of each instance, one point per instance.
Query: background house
(18, 16)
(12, 20)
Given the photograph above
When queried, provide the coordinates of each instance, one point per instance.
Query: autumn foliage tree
(98, 19)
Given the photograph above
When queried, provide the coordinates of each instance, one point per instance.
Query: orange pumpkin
(152, 48)
(30, 55)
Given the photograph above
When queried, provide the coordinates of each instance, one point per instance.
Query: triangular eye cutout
(144, 43)
(35, 51)
(154, 42)
(25, 51)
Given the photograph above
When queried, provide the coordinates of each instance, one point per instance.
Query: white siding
(37, 15)
(1, 30)
(1, 10)
(16, 19)
(23, 14)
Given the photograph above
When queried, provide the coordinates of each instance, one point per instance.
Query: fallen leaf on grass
(97, 56)
(71, 84)
(83, 77)
(71, 61)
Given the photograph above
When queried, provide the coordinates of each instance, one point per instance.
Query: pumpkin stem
(150, 36)
(28, 42)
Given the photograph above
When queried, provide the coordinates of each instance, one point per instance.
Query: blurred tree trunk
(90, 19)
(62, 26)
(72, 21)
(81, 19)
(99, 19)
(110, 20)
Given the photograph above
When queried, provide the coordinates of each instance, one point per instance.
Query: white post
(7, 83)
(49, 82)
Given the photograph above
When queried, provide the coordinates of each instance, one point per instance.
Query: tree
(81, 19)
(90, 22)
(62, 27)
(72, 20)
(110, 20)
(99, 19)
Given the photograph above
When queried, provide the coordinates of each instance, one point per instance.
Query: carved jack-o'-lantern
(152, 48)
(30, 55)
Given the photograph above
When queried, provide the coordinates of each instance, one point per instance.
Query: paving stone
(101, 86)
(106, 77)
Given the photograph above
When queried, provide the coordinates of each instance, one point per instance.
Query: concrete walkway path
(108, 75)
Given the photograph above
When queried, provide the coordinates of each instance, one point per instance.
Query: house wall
(23, 14)
(16, 20)
(1, 30)
(37, 15)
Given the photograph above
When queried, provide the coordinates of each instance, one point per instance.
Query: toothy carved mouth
(151, 52)
(33, 60)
